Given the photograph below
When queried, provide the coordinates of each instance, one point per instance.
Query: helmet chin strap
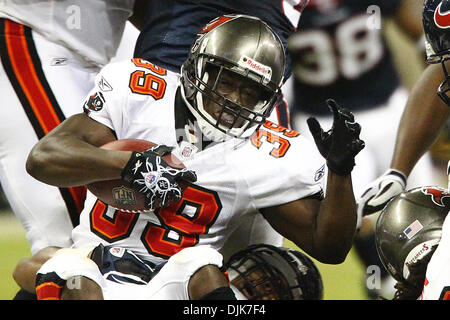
(209, 131)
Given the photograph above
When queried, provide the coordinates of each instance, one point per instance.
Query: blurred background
(341, 282)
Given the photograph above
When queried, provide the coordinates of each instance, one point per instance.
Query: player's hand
(341, 143)
(379, 192)
(151, 175)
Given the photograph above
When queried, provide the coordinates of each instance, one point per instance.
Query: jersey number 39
(180, 224)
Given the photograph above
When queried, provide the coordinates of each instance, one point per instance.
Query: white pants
(41, 84)
(171, 282)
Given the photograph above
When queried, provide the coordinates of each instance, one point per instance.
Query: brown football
(118, 193)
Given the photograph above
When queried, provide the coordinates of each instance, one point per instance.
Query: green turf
(345, 281)
(13, 247)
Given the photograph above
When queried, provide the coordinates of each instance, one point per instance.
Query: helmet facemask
(437, 39)
(444, 87)
(226, 99)
(258, 280)
(266, 272)
(233, 76)
(440, 57)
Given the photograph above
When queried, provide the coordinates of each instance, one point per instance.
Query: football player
(259, 272)
(424, 116)
(158, 16)
(50, 52)
(238, 163)
(168, 30)
(413, 239)
(266, 272)
(340, 50)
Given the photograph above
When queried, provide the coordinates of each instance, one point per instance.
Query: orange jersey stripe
(78, 195)
(26, 75)
(27, 71)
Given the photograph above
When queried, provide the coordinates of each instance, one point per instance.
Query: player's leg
(69, 274)
(192, 273)
(81, 288)
(25, 271)
(209, 283)
(41, 83)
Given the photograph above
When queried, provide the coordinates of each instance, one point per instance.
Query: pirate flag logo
(94, 103)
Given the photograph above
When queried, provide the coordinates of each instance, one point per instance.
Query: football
(118, 193)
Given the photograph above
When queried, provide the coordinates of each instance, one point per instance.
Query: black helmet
(409, 226)
(436, 25)
(238, 45)
(266, 272)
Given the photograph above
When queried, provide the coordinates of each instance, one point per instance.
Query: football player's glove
(150, 174)
(341, 143)
(379, 192)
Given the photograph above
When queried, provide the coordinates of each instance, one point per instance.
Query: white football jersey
(136, 99)
(91, 28)
(437, 279)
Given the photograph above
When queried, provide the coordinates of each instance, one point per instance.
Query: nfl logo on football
(123, 196)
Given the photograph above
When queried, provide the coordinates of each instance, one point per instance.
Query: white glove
(383, 189)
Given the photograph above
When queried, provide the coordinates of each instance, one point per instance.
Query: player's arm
(326, 229)
(323, 229)
(424, 117)
(422, 120)
(70, 155)
(25, 271)
(408, 18)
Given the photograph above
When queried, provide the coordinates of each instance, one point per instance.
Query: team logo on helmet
(442, 20)
(437, 195)
(215, 23)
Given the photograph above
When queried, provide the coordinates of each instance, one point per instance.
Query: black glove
(341, 143)
(150, 174)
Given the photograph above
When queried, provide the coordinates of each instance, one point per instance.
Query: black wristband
(126, 173)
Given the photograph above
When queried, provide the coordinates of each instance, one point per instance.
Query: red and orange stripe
(24, 69)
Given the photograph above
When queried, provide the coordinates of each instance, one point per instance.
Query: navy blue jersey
(340, 52)
(171, 26)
